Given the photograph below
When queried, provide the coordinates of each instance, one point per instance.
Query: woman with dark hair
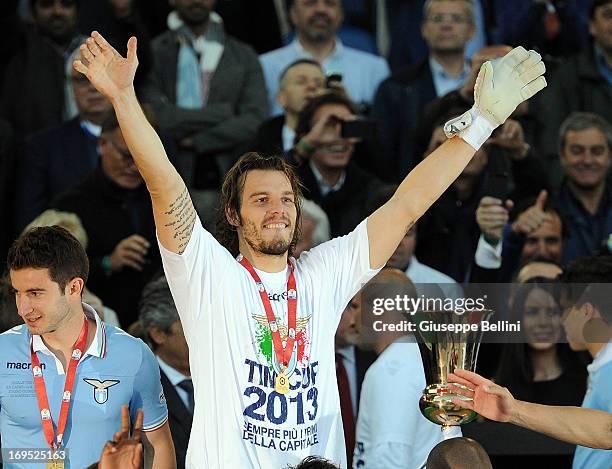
(541, 369)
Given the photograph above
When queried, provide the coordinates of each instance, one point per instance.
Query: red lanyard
(282, 356)
(41, 392)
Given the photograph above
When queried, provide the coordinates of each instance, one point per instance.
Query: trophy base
(437, 407)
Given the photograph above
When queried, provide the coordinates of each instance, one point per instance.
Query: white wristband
(472, 126)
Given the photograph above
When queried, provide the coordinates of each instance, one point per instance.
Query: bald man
(395, 435)
(459, 453)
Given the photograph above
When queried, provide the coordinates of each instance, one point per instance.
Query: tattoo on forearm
(182, 217)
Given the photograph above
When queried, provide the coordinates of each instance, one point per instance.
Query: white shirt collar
(323, 184)
(288, 137)
(603, 357)
(97, 348)
(174, 376)
(412, 266)
(437, 69)
(347, 353)
(335, 53)
(93, 129)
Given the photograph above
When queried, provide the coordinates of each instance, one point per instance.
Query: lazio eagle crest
(100, 390)
(263, 341)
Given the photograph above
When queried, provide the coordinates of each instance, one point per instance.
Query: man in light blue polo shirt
(588, 326)
(48, 269)
(316, 23)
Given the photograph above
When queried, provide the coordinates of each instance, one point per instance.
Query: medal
(282, 354)
(55, 464)
(281, 383)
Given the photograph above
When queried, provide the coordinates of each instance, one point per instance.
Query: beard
(271, 248)
(317, 33)
(277, 246)
(194, 18)
(60, 32)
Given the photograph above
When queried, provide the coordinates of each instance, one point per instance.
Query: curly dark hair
(233, 187)
(53, 248)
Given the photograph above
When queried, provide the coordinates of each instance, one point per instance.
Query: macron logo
(21, 366)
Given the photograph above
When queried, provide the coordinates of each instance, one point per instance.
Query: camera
(360, 128)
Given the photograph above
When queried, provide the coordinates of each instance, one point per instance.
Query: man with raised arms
(260, 327)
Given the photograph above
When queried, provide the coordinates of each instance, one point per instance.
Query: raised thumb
(541, 200)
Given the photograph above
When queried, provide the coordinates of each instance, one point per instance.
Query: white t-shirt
(239, 420)
(391, 431)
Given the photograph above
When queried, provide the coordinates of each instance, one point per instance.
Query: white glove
(500, 87)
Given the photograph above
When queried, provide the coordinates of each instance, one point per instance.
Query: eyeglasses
(50, 3)
(125, 154)
(452, 17)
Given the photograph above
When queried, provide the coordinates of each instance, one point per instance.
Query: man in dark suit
(162, 328)
(113, 204)
(208, 92)
(401, 99)
(300, 81)
(58, 158)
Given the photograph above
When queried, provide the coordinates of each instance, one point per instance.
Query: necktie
(187, 386)
(346, 408)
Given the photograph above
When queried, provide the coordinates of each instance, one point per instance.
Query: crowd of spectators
(219, 78)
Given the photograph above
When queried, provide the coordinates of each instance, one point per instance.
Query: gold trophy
(447, 340)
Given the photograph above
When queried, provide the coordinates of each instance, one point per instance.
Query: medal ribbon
(282, 356)
(41, 391)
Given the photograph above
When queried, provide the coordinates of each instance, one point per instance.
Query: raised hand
(500, 87)
(532, 218)
(130, 252)
(319, 136)
(105, 68)
(488, 399)
(491, 216)
(124, 451)
(505, 83)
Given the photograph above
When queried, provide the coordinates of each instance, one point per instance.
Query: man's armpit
(182, 216)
